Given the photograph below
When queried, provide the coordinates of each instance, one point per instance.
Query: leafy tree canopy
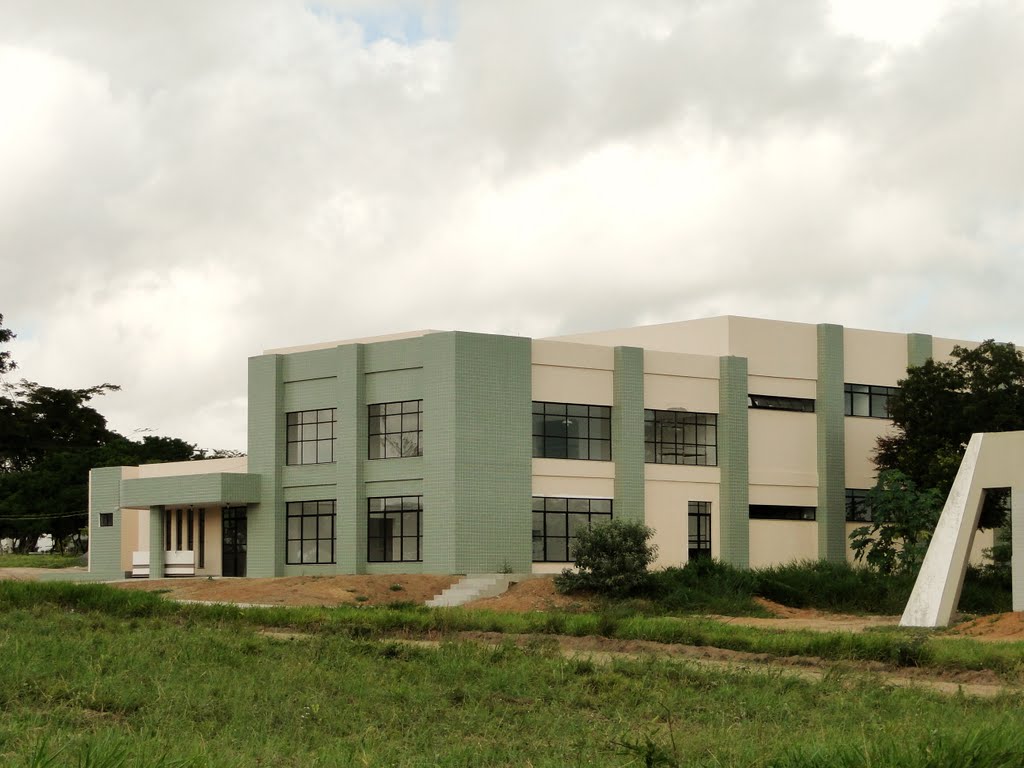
(49, 440)
(939, 406)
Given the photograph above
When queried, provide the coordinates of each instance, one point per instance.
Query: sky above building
(183, 185)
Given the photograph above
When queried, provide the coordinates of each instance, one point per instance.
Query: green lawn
(39, 561)
(101, 678)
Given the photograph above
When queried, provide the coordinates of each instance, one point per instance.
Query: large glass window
(310, 436)
(680, 437)
(782, 512)
(556, 522)
(868, 400)
(699, 522)
(396, 429)
(310, 532)
(395, 529)
(776, 403)
(857, 509)
(571, 431)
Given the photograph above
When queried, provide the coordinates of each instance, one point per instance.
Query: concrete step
(476, 586)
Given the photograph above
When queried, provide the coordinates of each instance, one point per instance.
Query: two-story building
(450, 452)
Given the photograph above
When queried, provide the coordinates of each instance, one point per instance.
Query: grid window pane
(309, 436)
(869, 400)
(310, 532)
(681, 437)
(394, 529)
(571, 431)
(557, 521)
(396, 429)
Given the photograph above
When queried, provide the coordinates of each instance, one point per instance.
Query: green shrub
(611, 559)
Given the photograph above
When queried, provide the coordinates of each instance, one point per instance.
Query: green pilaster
(829, 410)
(628, 433)
(919, 349)
(266, 520)
(350, 449)
(105, 543)
(157, 545)
(477, 453)
(733, 460)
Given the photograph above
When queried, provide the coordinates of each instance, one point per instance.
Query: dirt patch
(995, 628)
(603, 650)
(33, 574)
(537, 594)
(300, 590)
(808, 618)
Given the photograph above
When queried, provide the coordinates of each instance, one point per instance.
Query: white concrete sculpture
(992, 460)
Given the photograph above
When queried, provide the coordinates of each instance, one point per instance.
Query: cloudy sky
(185, 184)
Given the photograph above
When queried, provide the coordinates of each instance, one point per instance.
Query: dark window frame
(699, 540)
(106, 519)
(310, 436)
(782, 512)
(399, 510)
(875, 396)
(658, 425)
(551, 425)
(780, 403)
(857, 509)
(316, 510)
(395, 429)
(555, 530)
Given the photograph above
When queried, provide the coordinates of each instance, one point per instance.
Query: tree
(611, 559)
(6, 363)
(49, 440)
(936, 410)
(940, 405)
(902, 522)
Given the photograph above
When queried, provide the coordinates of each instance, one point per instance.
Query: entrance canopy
(225, 488)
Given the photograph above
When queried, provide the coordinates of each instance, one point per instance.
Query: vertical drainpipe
(831, 438)
(733, 461)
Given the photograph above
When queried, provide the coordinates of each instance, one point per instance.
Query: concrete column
(628, 433)
(157, 545)
(733, 458)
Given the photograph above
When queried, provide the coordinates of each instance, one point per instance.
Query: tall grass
(88, 684)
(895, 646)
(708, 586)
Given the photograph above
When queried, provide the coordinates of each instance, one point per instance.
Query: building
(449, 452)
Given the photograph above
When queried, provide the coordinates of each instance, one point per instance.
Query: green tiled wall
(733, 459)
(157, 545)
(829, 410)
(919, 349)
(628, 433)
(350, 456)
(265, 521)
(105, 543)
(477, 453)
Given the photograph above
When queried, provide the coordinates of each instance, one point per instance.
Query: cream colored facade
(784, 450)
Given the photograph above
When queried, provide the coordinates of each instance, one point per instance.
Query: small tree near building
(611, 559)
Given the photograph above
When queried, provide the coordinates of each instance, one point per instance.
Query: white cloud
(183, 185)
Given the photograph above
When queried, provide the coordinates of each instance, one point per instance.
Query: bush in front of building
(611, 560)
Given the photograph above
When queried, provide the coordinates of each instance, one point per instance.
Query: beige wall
(874, 357)
(708, 336)
(775, 348)
(862, 435)
(942, 348)
(572, 373)
(783, 448)
(207, 466)
(668, 493)
(775, 542)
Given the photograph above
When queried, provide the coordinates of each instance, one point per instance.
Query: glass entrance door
(234, 541)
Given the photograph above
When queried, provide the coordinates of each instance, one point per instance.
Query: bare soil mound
(534, 595)
(997, 627)
(301, 590)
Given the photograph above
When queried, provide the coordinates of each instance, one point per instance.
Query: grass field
(40, 561)
(101, 678)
